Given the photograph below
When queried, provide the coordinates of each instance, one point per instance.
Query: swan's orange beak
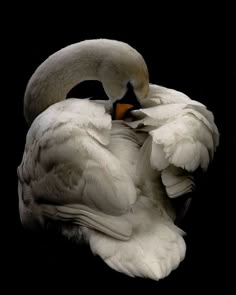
(121, 109)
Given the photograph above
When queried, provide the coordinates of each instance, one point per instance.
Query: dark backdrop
(190, 55)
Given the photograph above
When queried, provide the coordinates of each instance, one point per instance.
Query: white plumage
(112, 180)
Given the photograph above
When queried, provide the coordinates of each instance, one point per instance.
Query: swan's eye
(91, 89)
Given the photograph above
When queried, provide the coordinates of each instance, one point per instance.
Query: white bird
(111, 182)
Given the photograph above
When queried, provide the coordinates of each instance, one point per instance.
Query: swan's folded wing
(188, 140)
(184, 136)
(66, 161)
(54, 132)
(183, 130)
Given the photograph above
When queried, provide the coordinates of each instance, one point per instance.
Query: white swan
(111, 182)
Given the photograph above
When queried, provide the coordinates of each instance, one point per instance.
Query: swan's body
(111, 182)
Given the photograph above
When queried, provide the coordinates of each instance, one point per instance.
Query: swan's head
(117, 76)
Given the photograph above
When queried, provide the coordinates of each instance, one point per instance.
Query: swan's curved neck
(112, 62)
(55, 77)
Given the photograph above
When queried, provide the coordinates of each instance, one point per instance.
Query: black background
(192, 54)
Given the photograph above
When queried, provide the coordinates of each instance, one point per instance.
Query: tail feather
(155, 248)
